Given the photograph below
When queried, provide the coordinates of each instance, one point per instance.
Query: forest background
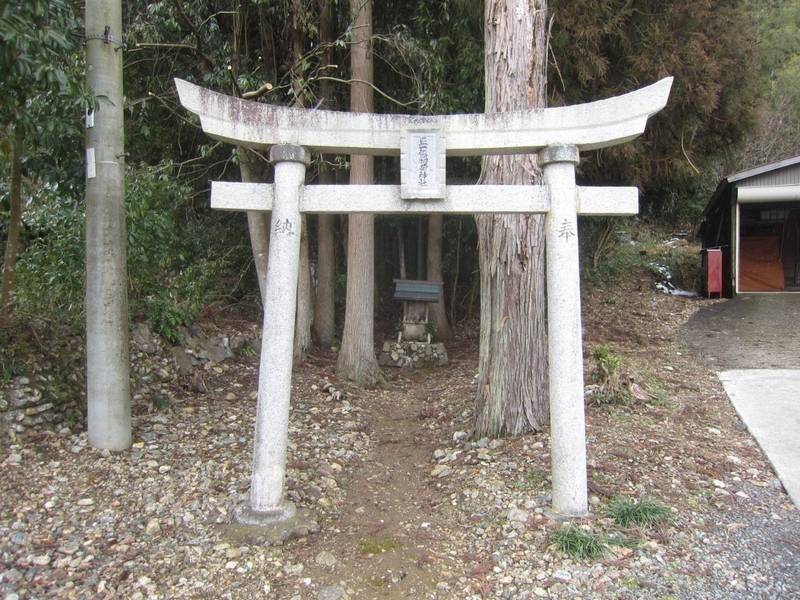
(735, 104)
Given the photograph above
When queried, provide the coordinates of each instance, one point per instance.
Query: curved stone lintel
(588, 126)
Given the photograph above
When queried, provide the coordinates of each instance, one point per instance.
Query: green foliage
(173, 271)
(683, 268)
(606, 360)
(437, 48)
(171, 277)
(630, 249)
(778, 26)
(644, 512)
(607, 374)
(50, 271)
(606, 258)
(160, 403)
(247, 349)
(35, 53)
(579, 543)
(604, 48)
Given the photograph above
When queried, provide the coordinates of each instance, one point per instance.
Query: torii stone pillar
(423, 142)
(267, 500)
(564, 343)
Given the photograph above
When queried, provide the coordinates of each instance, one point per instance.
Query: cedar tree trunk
(324, 321)
(14, 225)
(253, 170)
(511, 397)
(438, 314)
(357, 355)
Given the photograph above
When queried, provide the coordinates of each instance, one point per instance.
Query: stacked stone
(23, 407)
(413, 354)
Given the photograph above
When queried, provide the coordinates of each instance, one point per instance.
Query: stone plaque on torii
(423, 142)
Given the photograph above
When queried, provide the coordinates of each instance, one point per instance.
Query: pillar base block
(270, 528)
(559, 517)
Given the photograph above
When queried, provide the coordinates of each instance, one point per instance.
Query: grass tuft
(579, 544)
(376, 546)
(644, 512)
(533, 479)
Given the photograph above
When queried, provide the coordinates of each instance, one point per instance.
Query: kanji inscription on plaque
(422, 166)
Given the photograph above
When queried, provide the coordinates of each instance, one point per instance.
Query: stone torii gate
(423, 142)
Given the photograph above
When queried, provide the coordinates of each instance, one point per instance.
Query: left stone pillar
(268, 504)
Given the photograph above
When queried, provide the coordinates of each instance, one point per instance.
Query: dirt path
(390, 533)
(747, 332)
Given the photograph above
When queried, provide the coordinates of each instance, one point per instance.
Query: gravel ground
(446, 516)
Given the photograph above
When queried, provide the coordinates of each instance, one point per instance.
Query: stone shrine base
(409, 355)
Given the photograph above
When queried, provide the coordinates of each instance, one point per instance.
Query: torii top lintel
(588, 126)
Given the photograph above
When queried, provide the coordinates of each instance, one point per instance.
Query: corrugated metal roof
(420, 291)
(721, 194)
(787, 162)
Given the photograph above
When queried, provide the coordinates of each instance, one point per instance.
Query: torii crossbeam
(423, 142)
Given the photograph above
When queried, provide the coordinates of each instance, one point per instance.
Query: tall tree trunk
(304, 315)
(324, 320)
(456, 273)
(14, 226)
(421, 248)
(254, 170)
(305, 303)
(401, 249)
(357, 355)
(324, 310)
(438, 314)
(511, 397)
(107, 332)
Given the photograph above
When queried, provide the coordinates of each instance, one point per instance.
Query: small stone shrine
(413, 347)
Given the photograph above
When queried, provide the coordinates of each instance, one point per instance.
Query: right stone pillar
(565, 352)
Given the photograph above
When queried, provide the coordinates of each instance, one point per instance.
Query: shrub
(607, 374)
(176, 266)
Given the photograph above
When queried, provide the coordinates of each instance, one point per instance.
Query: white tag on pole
(91, 168)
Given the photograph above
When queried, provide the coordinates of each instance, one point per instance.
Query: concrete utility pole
(107, 359)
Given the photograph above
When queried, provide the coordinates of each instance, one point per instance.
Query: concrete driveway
(768, 401)
(753, 342)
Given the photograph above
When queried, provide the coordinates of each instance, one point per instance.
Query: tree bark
(401, 249)
(107, 332)
(254, 170)
(324, 309)
(304, 315)
(511, 397)
(14, 226)
(324, 313)
(457, 272)
(357, 356)
(438, 313)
